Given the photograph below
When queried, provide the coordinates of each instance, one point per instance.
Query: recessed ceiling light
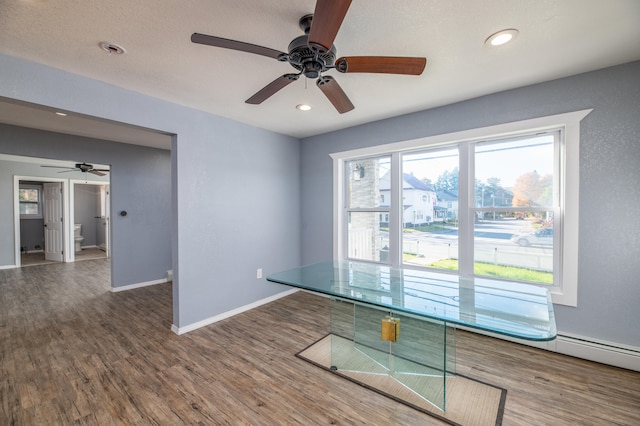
(501, 37)
(112, 49)
(61, 114)
(303, 107)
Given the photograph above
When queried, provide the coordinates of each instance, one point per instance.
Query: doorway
(40, 226)
(90, 219)
(60, 220)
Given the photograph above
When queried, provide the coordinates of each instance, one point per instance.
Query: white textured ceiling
(557, 38)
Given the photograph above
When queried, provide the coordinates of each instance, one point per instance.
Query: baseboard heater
(580, 347)
(599, 351)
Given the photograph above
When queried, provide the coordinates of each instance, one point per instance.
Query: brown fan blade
(270, 89)
(235, 45)
(96, 172)
(335, 94)
(381, 64)
(59, 167)
(326, 22)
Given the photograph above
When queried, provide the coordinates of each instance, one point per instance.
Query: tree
(546, 196)
(489, 193)
(447, 181)
(532, 190)
(494, 184)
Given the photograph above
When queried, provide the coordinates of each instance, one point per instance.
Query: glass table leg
(415, 352)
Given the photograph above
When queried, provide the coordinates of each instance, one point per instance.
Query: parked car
(540, 237)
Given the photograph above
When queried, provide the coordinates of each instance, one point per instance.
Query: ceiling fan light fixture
(501, 37)
(112, 49)
(303, 107)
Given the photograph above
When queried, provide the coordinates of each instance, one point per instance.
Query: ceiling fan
(313, 53)
(82, 167)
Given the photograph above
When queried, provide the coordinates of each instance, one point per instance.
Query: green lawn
(500, 271)
(435, 227)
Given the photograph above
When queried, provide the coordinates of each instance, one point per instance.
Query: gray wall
(32, 234)
(609, 248)
(234, 200)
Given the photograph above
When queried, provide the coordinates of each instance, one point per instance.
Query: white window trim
(569, 122)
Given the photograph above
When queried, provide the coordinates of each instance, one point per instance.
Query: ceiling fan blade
(235, 45)
(381, 64)
(335, 94)
(58, 167)
(97, 172)
(326, 22)
(272, 88)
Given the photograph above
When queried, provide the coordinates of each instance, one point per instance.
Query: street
(492, 245)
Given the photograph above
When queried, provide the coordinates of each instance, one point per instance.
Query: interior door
(53, 221)
(107, 219)
(102, 232)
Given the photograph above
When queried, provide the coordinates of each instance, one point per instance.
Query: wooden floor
(38, 258)
(72, 352)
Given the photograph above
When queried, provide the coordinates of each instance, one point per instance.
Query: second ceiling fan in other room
(82, 167)
(313, 53)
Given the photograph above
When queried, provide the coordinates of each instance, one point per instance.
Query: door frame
(16, 214)
(72, 200)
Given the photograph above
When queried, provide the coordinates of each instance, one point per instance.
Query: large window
(497, 202)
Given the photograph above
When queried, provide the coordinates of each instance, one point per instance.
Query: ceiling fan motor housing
(302, 58)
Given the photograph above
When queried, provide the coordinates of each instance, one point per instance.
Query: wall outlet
(259, 273)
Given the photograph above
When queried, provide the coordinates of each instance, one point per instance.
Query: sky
(504, 160)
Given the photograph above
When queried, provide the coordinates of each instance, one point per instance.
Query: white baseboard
(8, 266)
(228, 314)
(599, 351)
(137, 285)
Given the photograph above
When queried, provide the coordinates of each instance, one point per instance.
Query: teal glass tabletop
(514, 309)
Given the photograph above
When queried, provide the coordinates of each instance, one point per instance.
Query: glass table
(399, 323)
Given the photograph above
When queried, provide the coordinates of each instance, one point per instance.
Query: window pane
(430, 208)
(515, 173)
(515, 248)
(29, 208)
(368, 183)
(365, 240)
(29, 194)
